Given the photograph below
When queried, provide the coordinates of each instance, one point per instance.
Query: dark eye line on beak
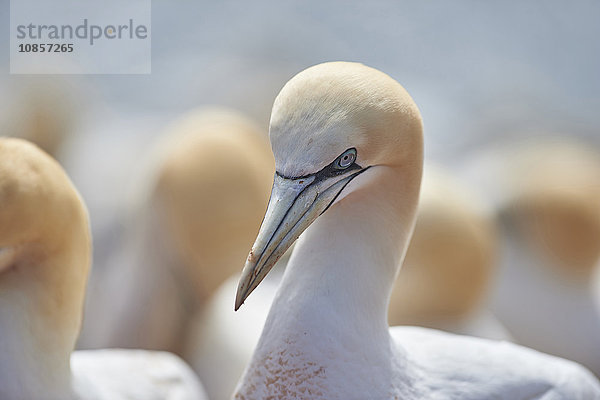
(326, 172)
(294, 204)
(319, 176)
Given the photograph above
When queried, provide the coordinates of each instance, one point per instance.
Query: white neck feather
(32, 366)
(348, 259)
(34, 361)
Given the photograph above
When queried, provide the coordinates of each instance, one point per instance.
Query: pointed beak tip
(241, 294)
(240, 298)
(237, 306)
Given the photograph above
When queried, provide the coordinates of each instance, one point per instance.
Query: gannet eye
(345, 159)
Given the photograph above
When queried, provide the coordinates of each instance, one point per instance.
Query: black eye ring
(346, 159)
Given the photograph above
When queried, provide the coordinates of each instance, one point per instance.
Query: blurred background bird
(199, 206)
(547, 196)
(45, 253)
(450, 263)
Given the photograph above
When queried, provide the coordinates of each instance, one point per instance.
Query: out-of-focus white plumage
(133, 374)
(326, 336)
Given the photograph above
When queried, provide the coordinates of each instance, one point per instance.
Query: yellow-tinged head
(330, 124)
(44, 240)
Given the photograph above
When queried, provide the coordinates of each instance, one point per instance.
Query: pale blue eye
(346, 159)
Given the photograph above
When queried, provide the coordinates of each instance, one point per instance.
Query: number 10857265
(45, 48)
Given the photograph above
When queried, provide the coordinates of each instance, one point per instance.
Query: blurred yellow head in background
(555, 202)
(213, 188)
(451, 256)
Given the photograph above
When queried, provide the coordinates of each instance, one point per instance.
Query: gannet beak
(294, 204)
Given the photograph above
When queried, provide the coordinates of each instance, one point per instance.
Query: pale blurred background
(478, 71)
(482, 73)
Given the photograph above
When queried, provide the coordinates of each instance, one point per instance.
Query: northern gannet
(44, 262)
(347, 141)
(547, 194)
(445, 278)
(206, 189)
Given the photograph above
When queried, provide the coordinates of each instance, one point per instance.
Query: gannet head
(212, 189)
(554, 204)
(44, 242)
(329, 125)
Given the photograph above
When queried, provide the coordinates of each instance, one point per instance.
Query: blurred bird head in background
(45, 243)
(546, 191)
(211, 191)
(451, 257)
(555, 202)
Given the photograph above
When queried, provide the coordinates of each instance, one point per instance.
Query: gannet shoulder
(447, 363)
